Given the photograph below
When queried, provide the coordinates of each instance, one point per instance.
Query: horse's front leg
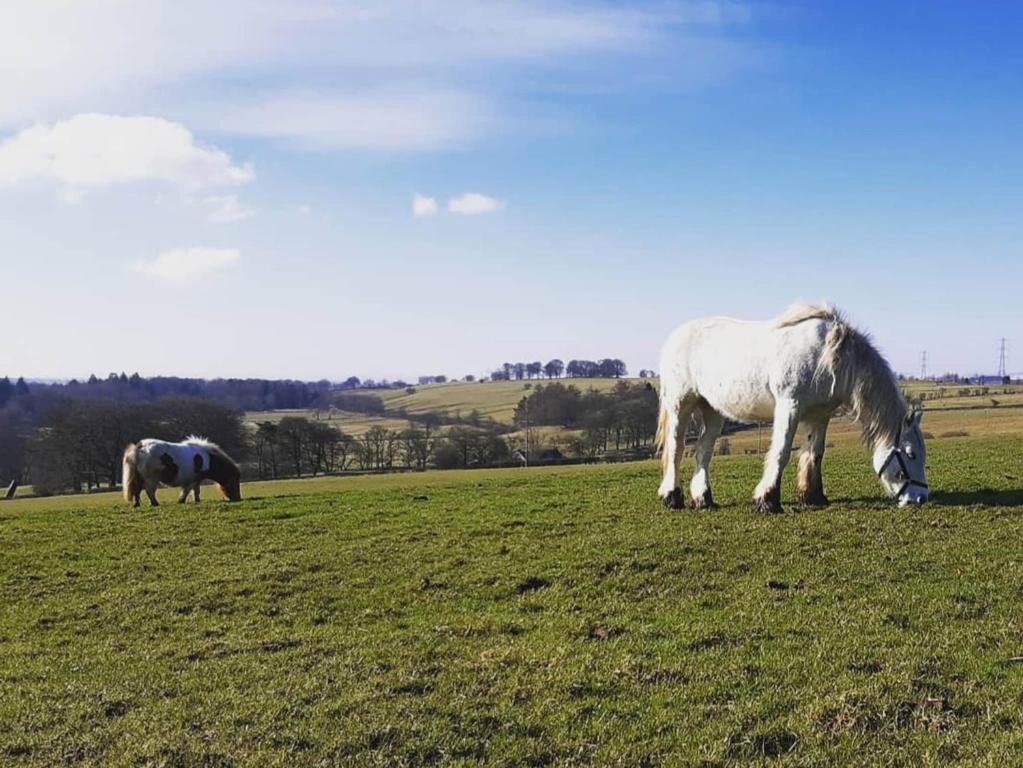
(767, 497)
(810, 488)
(699, 488)
(195, 490)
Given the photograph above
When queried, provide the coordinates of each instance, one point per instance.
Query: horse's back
(739, 367)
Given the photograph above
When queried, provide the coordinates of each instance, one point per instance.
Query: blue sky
(228, 189)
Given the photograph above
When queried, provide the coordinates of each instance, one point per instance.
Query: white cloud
(224, 209)
(472, 203)
(95, 150)
(182, 264)
(424, 206)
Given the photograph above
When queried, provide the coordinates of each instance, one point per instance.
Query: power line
(923, 365)
(1002, 359)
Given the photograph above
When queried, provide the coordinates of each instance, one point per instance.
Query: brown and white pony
(149, 462)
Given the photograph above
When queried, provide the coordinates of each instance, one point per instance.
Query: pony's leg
(767, 496)
(183, 496)
(699, 488)
(151, 493)
(671, 456)
(810, 489)
(195, 490)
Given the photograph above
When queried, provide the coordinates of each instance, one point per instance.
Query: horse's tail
(663, 418)
(131, 481)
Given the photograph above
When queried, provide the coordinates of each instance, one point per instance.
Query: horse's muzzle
(913, 497)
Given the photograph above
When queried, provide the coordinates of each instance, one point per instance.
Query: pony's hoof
(706, 501)
(674, 500)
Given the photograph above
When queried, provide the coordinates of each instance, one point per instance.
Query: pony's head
(225, 473)
(902, 465)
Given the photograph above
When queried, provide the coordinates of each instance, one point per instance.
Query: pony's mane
(861, 377)
(212, 448)
(205, 442)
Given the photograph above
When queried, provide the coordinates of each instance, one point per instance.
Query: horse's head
(231, 487)
(902, 467)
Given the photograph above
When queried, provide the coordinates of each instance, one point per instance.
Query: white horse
(797, 369)
(151, 462)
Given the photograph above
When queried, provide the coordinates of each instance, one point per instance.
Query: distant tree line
(608, 368)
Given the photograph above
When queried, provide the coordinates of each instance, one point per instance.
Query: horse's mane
(861, 377)
(800, 313)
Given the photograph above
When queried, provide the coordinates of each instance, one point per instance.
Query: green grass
(556, 616)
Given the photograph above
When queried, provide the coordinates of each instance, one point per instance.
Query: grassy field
(493, 399)
(551, 616)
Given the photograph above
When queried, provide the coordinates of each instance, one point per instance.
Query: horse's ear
(914, 417)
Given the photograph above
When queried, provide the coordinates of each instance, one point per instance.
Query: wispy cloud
(474, 203)
(224, 209)
(95, 150)
(420, 76)
(409, 118)
(424, 206)
(183, 264)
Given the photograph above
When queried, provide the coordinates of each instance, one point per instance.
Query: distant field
(493, 399)
(353, 423)
(554, 616)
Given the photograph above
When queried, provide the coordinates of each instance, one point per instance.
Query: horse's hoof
(705, 502)
(818, 500)
(674, 500)
(768, 506)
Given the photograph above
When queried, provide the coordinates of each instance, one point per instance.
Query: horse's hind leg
(810, 489)
(676, 421)
(699, 488)
(151, 493)
(195, 490)
(183, 496)
(767, 497)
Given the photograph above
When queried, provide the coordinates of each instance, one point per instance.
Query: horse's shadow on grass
(988, 497)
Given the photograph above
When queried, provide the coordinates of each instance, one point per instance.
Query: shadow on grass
(989, 497)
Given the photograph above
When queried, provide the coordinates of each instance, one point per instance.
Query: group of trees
(555, 369)
(624, 417)
(297, 446)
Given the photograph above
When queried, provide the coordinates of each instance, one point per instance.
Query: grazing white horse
(798, 369)
(149, 462)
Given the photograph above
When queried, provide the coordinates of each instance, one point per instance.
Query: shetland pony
(798, 369)
(151, 462)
